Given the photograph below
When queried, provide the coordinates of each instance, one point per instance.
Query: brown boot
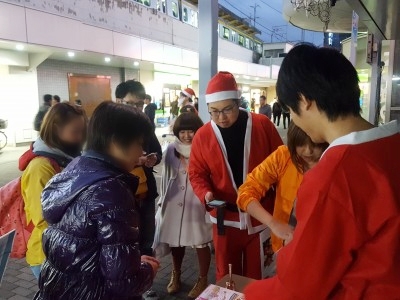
(198, 288)
(175, 284)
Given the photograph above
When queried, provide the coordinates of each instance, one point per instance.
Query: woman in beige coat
(183, 216)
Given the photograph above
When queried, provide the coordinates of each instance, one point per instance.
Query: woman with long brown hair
(62, 135)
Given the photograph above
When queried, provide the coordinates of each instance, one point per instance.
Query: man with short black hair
(346, 243)
(265, 108)
(150, 109)
(56, 99)
(42, 111)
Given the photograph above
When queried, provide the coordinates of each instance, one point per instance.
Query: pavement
(18, 282)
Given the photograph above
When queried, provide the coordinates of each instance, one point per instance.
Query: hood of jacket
(39, 148)
(84, 172)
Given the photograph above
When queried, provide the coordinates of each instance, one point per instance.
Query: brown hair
(296, 137)
(187, 121)
(58, 116)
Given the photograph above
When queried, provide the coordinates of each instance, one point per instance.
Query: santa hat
(222, 87)
(188, 92)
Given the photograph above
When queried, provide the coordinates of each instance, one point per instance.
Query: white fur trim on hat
(187, 94)
(223, 95)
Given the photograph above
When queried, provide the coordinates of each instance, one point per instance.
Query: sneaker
(198, 288)
(175, 283)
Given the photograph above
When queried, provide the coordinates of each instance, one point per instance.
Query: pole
(208, 50)
(254, 13)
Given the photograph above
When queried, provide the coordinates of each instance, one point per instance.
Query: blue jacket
(91, 244)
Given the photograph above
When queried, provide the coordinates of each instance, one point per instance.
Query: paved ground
(19, 283)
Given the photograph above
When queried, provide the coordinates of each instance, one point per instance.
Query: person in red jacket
(346, 244)
(224, 151)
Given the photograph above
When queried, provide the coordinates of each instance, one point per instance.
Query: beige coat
(184, 221)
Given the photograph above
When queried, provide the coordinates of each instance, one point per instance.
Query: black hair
(187, 121)
(147, 96)
(323, 75)
(121, 91)
(57, 98)
(136, 88)
(47, 98)
(113, 122)
(262, 96)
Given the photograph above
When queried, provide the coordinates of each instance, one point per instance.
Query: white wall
(18, 103)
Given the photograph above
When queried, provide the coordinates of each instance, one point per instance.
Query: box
(214, 292)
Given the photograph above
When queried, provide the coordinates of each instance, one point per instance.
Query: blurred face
(147, 101)
(73, 133)
(186, 136)
(128, 157)
(134, 100)
(309, 154)
(224, 113)
(262, 101)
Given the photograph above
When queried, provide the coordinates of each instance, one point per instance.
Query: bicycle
(3, 136)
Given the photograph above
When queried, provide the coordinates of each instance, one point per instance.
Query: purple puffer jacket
(91, 243)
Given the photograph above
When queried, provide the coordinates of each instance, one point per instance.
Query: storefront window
(241, 40)
(194, 20)
(185, 15)
(233, 36)
(161, 6)
(226, 33)
(144, 2)
(175, 9)
(247, 43)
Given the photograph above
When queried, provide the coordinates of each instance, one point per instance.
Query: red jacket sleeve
(274, 137)
(199, 172)
(312, 265)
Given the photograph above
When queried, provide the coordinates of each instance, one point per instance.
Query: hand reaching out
(281, 230)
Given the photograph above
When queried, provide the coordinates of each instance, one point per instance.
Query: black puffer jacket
(91, 243)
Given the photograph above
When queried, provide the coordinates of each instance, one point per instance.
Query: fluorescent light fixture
(20, 47)
(237, 76)
(71, 54)
(107, 59)
(246, 77)
(136, 63)
(395, 78)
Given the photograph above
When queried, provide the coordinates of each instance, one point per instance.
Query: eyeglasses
(226, 111)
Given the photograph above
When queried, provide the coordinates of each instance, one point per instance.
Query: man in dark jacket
(133, 93)
(42, 111)
(150, 109)
(265, 108)
(277, 112)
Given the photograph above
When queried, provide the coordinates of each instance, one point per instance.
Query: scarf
(182, 149)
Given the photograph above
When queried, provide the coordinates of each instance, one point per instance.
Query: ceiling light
(20, 47)
(107, 59)
(257, 78)
(246, 77)
(136, 63)
(395, 78)
(237, 76)
(71, 54)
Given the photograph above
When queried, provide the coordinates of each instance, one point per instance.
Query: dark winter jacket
(37, 123)
(91, 244)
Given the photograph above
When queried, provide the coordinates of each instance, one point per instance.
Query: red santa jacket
(347, 241)
(208, 167)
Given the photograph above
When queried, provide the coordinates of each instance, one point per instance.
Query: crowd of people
(330, 197)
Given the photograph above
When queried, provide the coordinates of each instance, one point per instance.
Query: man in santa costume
(185, 101)
(346, 244)
(224, 151)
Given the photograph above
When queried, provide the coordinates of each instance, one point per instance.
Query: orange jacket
(278, 169)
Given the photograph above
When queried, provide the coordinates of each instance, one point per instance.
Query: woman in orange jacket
(284, 168)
